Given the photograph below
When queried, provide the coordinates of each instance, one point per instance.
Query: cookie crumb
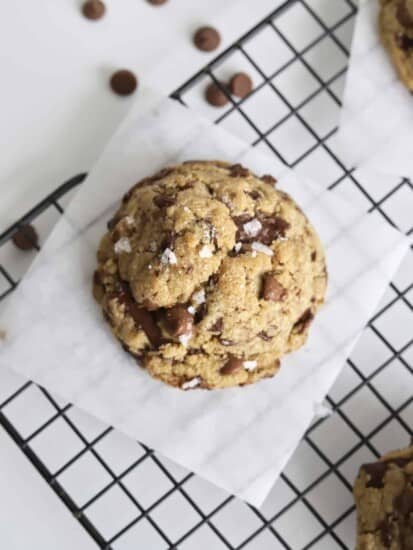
(259, 247)
(169, 257)
(190, 384)
(122, 245)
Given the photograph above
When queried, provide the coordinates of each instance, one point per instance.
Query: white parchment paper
(376, 123)
(240, 439)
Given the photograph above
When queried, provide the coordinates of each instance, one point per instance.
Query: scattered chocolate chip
(404, 42)
(93, 9)
(217, 326)
(404, 502)
(264, 336)
(150, 306)
(178, 321)
(240, 85)
(163, 201)
(123, 82)
(26, 237)
(207, 39)
(304, 321)
(376, 472)
(272, 290)
(385, 533)
(313, 256)
(268, 179)
(403, 14)
(232, 365)
(238, 171)
(215, 96)
(157, 2)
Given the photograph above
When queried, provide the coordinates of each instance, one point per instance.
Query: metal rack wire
(140, 498)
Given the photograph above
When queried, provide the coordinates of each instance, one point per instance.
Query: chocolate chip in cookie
(179, 321)
(272, 290)
(232, 365)
(403, 14)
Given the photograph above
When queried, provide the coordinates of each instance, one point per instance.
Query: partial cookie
(209, 275)
(384, 500)
(396, 31)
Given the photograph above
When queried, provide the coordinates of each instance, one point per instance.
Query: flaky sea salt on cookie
(209, 275)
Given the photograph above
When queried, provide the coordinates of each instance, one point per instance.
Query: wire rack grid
(125, 495)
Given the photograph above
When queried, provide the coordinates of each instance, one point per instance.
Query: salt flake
(122, 245)
(191, 310)
(250, 365)
(237, 247)
(191, 383)
(199, 297)
(184, 339)
(259, 247)
(252, 228)
(169, 257)
(205, 252)
(129, 220)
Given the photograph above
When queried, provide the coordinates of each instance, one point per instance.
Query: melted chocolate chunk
(163, 201)
(113, 221)
(254, 194)
(404, 502)
(232, 365)
(142, 317)
(264, 336)
(238, 171)
(178, 321)
(200, 313)
(404, 42)
(403, 14)
(272, 228)
(313, 256)
(169, 241)
(385, 533)
(145, 320)
(376, 472)
(304, 321)
(217, 326)
(272, 290)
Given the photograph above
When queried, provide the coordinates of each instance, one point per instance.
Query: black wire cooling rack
(125, 495)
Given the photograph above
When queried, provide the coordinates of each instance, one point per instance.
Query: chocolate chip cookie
(396, 31)
(208, 275)
(384, 499)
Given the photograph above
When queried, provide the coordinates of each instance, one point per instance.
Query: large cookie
(384, 500)
(396, 31)
(209, 275)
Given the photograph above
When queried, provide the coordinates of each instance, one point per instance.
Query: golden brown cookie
(396, 31)
(209, 275)
(384, 500)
